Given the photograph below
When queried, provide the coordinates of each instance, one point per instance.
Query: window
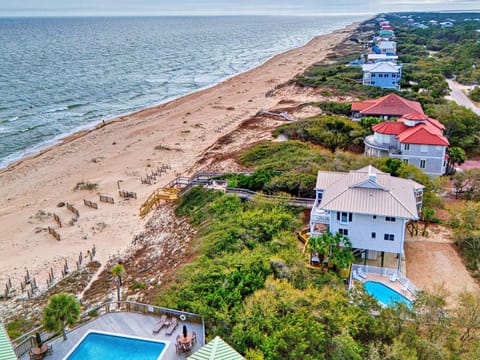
(343, 231)
(423, 164)
(373, 75)
(374, 235)
(405, 161)
(374, 217)
(406, 147)
(389, 218)
(344, 217)
(389, 237)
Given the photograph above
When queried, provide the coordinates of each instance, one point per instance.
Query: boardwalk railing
(26, 342)
(250, 195)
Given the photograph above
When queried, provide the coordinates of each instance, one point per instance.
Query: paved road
(457, 95)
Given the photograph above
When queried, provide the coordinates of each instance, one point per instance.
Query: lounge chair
(356, 276)
(161, 323)
(405, 286)
(361, 273)
(394, 277)
(172, 326)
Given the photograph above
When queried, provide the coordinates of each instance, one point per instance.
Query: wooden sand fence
(73, 210)
(127, 194)
(107, 199)
(90, 204)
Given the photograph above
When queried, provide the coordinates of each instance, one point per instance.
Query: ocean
(61, 75)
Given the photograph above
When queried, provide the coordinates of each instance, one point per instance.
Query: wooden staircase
(167, 194)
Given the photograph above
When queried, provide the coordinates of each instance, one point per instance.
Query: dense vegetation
(454, 51)
(331, 132)
(254, 287)
(251, 282)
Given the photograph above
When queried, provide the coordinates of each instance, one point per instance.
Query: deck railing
(26, 342)
(385, 272)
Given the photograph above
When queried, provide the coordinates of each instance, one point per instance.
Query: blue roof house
(386, 75)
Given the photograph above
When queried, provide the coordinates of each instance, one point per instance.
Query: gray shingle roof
(357, 192)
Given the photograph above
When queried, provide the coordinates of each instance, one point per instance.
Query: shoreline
(85, 129)
(121, 151)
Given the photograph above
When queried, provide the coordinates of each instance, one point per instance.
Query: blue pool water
(384, 294)
(113, 347)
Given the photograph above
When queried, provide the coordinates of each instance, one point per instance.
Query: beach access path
(118, 154)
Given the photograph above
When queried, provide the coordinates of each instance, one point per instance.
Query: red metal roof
(415, 116)
(392, 105)
(427, 131)
(421, 134)
(390, 128)
(387, 27)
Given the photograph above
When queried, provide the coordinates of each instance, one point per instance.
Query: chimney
(371, 175)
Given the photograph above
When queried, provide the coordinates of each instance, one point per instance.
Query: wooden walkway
(127, 324)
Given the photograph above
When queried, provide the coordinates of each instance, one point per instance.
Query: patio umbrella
(38, 339)
(184, 331)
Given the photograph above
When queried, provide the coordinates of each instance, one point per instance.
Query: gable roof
(392, 104)
(217, 349)
(368, 191)
(382, 67)
(424, 135)
(6, 349)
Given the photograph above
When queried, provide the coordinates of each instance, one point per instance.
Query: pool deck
(386, 281)
(126, 323)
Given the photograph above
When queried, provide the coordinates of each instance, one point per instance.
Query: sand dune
(119, 153)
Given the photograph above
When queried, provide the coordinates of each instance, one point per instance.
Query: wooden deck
(126, 323)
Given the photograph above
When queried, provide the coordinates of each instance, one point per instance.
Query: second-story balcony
(386, 149)
(319, 217)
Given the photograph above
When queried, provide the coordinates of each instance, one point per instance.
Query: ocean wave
(55, 110)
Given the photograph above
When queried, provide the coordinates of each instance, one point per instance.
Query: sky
(224, 7)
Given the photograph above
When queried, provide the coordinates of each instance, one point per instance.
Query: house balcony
(319, 217)
(384, 149)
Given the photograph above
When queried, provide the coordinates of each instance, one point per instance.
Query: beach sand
(119, 153)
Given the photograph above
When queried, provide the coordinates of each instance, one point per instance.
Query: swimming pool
(384, 294)
(106, 346)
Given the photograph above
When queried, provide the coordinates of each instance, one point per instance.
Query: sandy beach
(118, 154)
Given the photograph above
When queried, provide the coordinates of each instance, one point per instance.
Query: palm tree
(118, 271)
(62, 310)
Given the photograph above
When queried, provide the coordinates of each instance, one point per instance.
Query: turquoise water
(60, 75)
(384, 294)
(112, 347)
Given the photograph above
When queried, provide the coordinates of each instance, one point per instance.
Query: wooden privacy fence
(52, 232)
(57, 219)
(127, 194)
(107, 199)
(91, 204)
(73, 210)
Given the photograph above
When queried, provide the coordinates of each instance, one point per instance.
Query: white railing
(384, 272)
(26, 342)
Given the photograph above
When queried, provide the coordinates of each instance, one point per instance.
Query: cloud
(215, 7)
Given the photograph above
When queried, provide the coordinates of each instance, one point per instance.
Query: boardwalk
(127, 324)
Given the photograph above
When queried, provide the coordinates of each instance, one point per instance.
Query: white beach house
(368, 206)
